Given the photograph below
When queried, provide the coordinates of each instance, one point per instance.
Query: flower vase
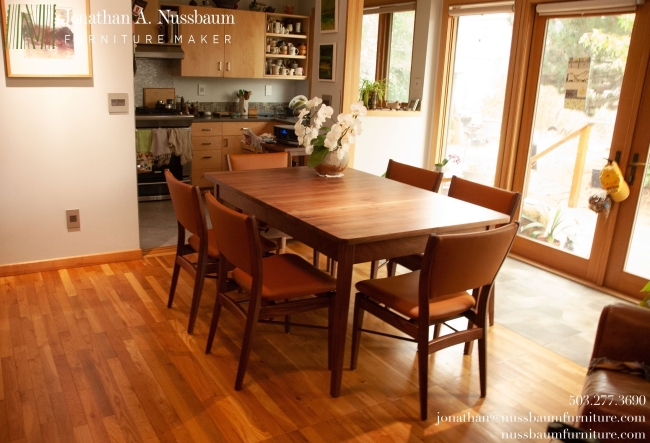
(332, 165)
(373, 98)
(243, 107)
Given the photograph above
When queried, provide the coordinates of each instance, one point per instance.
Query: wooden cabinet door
(244, 55)
(203, 58)
(231, 145)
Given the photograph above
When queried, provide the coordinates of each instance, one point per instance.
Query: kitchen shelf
(295, 57)
(280, 15)
(272, 34)
(286, 77)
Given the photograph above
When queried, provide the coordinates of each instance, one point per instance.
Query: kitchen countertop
(286, 120)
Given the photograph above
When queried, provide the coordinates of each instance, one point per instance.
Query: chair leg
(436, 330)
(213, 324)
(423, 373)
(316, 259)
(330, 332)
(391, 267)
(482, 362)
(251, 323)
(334, 267)
(469, 345)
(287, 320)
(374, 268)
(172, 289)
(491, 306)
(196, 297)
(356, 331)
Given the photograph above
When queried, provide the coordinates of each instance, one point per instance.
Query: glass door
(576, 107)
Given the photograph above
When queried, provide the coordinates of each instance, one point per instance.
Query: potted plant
(440, 166)
(548, 229)
(372, 92)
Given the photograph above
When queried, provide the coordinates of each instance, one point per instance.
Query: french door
(586, 99)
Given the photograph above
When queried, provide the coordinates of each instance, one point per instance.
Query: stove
(152, 185)
(161, 118)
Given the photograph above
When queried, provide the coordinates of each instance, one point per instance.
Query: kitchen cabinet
(238, 52)
(277, 33)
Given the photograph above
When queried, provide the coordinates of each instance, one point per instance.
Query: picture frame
(329, 16)
(327, 62)
(46, 40)
(413, 104)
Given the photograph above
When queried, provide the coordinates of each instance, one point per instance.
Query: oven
(151, 177)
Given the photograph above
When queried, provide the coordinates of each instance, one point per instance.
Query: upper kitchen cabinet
(232, 48)
(287, 46)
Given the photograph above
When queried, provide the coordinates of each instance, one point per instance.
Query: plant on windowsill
(440, 167)
(327, 147)
(372, 92)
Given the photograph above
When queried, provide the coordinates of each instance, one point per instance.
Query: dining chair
(190, 216)
(455, 281)
(276, 285)
(497, 199)
(414, 176)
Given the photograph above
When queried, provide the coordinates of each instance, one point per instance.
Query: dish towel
(143, 141)
(160, 146)
(180, 140)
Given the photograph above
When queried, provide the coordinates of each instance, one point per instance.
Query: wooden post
(578, 168)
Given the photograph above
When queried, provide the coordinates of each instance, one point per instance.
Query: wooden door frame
(594, 268)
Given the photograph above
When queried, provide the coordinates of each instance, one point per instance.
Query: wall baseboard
(69, 262)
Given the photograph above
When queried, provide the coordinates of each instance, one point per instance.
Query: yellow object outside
(612, 180)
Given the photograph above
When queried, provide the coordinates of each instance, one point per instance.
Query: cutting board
(152, 95)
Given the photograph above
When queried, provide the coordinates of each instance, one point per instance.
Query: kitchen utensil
(160, 104)
(292, 71)
(234, 114)
(153, 95)
(298, 71)
(297, 27)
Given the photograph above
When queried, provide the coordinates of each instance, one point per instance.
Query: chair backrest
(411, 175)
(245, 162)
(460, 262)
(188, 205)
(237, 236)
(496, 199)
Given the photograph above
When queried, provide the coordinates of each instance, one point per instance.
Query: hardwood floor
(93, 355)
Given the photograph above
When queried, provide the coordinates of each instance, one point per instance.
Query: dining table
(356, 218)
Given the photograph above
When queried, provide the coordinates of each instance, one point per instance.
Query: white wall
(406, 139)
(61, 150)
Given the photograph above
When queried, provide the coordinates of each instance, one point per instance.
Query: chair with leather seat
(497, 199)
(190, 216)
(455, 281)
(276, 285)
(414, 176)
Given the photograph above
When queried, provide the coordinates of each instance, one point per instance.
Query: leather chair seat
(401, 294)
(601, 383)
(213, 251)
(287, 276)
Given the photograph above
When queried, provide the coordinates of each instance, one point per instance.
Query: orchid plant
(320, 140)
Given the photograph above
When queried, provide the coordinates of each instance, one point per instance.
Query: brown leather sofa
(623, 336)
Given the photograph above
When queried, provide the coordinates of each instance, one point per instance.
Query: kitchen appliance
(152, 185)
(285, 134)
(153, 95)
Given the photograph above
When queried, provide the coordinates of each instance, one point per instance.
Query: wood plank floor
(93, 355)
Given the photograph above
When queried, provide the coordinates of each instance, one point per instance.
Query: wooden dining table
(353, 219)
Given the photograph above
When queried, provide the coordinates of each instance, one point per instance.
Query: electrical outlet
(268, 90)
(72, 219)
(201, 89)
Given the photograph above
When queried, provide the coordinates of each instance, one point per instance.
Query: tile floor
(550, 310)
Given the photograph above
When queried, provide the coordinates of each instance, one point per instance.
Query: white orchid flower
(313, 102)
(358, 109)
(324, 113)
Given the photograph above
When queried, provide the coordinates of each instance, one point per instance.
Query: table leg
(340, 317)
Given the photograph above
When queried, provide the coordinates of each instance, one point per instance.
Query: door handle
(228, 67)
(206, 129)
(207, 156)
(220, 66)
(632, 167)
(226, 140)
(207, 143)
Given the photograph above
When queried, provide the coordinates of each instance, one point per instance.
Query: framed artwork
(327, 62)
(46, 39)
(329, 17)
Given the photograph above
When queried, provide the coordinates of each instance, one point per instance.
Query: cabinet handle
(206, 143)
(220, 66)
(228, 65)
(206, 129)
(245, 129)
(226, 142)
(207, 156)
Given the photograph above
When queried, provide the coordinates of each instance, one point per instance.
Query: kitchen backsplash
(219, 92)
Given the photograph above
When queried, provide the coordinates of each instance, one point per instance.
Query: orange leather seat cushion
(287, 276)
(213, 251)
(602, 383)
(401, 294)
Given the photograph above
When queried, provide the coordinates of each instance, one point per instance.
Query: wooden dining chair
(497, 199)
(414, 176)
(190, 216)
(453, 264)
(276, 285)
(246, 162)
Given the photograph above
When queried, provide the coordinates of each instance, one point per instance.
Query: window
(387, 46)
